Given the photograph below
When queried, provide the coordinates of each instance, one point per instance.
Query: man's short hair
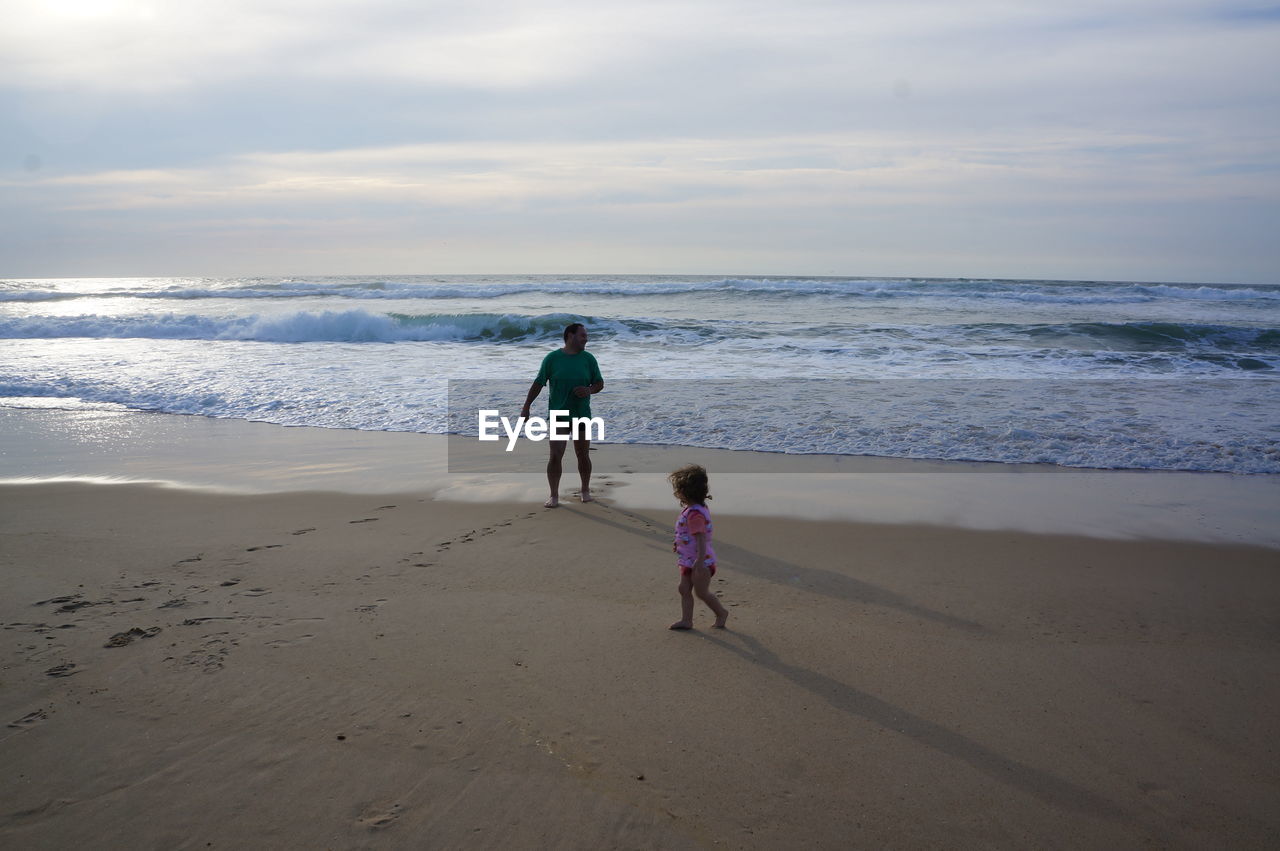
(571, 329)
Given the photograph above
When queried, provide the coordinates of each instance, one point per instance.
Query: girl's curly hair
(690, 484)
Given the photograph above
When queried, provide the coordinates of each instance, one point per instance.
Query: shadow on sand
(1040, 784)
(814, 580)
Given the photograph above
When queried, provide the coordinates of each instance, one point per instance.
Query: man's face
(579, 338)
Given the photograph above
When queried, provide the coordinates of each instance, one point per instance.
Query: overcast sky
(1097, 139)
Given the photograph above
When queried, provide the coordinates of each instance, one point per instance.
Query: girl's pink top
(694, 519)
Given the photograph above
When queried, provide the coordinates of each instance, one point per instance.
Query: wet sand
(253, 458)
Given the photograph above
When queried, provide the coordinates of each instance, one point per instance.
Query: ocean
(1114, 375)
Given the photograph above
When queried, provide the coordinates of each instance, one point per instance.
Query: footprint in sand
(120, 639)
(365, 520)
(30, 719)
(264, 547)
(189, 560)
(289, 642)
(376, 817)
(253, 592)
(212, 655)
(383, 507)
(305, 531)
(370, 607)
(67, 598)
(64, 670)
(72, 607)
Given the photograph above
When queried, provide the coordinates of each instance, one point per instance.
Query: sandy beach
(192, 669)
(970, 312)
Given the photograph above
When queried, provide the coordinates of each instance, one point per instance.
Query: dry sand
(350, 671)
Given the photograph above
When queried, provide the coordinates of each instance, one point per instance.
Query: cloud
(170, 84)
(568, 117)
(146, 46)
(153, 46)
(798, 171)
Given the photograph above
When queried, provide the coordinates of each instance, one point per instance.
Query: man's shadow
(814, 580)
(851, 701)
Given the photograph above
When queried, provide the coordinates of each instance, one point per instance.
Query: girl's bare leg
(702, 587)
(686, 603)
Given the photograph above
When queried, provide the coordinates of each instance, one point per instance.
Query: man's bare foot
(553, 502)
(586, 495)
(681, 625)
(720, 621)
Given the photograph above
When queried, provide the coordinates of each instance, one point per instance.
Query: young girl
(693, 546)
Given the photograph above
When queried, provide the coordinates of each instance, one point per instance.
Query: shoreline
(238, 456)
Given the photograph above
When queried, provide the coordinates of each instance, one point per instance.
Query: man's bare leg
(555, 465)
(582, 449)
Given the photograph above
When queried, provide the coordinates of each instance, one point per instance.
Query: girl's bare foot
(681, 625)
(553, 502)
(586, 495)
(720, 621)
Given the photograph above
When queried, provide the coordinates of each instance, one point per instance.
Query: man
(574, 376)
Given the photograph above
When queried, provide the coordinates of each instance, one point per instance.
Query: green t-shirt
(564, 372)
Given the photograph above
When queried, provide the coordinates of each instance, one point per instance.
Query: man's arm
(534, 390)
(595, 386)
(588, 389)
